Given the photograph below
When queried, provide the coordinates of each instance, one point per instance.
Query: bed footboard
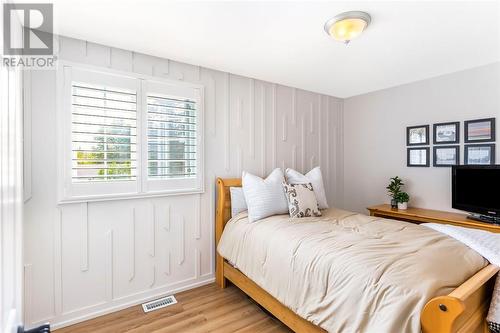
(464, 309)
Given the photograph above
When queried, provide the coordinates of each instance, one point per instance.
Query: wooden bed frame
(462, 311)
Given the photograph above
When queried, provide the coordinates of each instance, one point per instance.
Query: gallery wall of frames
(478, 149)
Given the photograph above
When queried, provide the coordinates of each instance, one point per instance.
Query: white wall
(375, 134)
(11, 231)
(11, 155)
(82, 260)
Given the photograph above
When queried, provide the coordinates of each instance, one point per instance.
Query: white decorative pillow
(301, 200)
(315, 178)
(238, 202)
(264, 197)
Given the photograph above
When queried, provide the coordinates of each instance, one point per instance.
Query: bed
(461, 307)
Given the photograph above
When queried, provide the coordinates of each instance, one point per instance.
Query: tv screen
(476, 189)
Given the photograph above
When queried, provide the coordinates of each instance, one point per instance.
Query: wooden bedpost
(220, 280)
(222, 215)
(440, 314)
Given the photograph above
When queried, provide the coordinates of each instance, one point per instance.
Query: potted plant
(402, 199)
(393, 189)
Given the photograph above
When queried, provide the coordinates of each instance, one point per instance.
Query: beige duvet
(349, 272)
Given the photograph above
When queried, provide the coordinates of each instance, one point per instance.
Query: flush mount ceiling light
(347, 26)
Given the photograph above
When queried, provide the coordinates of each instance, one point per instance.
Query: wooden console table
(420, 215)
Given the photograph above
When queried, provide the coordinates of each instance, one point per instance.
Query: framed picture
(445, 156)
(480, 130)
(417, 135)
(417, 157)
(479, 154)
(446, 133)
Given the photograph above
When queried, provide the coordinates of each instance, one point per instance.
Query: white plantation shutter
(100, 122)
(173, 151)
(103, 133)
(171, 137)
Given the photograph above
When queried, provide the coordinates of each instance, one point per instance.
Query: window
(103, 133)
(171, 137)
(126, 136)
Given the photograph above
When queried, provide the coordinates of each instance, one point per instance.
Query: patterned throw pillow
(315, 178)
(301, 200)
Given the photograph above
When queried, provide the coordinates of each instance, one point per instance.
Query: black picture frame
(468, 123)
(408, 131)
(491, 147)
(435, 133)
(427, 157)
(435, 156)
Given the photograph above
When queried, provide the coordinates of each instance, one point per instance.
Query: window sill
(128, 196)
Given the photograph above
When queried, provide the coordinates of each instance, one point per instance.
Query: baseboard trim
(101, 309)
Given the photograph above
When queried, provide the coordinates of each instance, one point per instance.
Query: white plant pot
(402, 205)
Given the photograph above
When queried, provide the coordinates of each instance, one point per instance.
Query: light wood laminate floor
(200, 310)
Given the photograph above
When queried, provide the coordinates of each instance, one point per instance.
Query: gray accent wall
(375, 134)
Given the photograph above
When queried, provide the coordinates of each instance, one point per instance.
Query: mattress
(348, 272)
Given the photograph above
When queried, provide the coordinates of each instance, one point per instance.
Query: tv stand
(421, 215)
(484, 218)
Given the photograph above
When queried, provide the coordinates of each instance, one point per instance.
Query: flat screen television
(476, 189)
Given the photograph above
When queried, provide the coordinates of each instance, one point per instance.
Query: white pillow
(315, 178)
(238, 202)
(265, 197)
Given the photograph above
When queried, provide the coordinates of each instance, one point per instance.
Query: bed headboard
(222, 215)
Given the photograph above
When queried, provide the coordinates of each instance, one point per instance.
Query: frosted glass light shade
(347, 26)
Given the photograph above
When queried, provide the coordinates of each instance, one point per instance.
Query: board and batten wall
(86, 259)
(375, 134)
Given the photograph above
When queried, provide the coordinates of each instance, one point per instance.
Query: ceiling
(284, 42)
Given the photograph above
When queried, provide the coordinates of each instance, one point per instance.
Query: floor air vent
(159, 303)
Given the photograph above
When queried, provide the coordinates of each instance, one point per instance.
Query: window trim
(63, 121)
